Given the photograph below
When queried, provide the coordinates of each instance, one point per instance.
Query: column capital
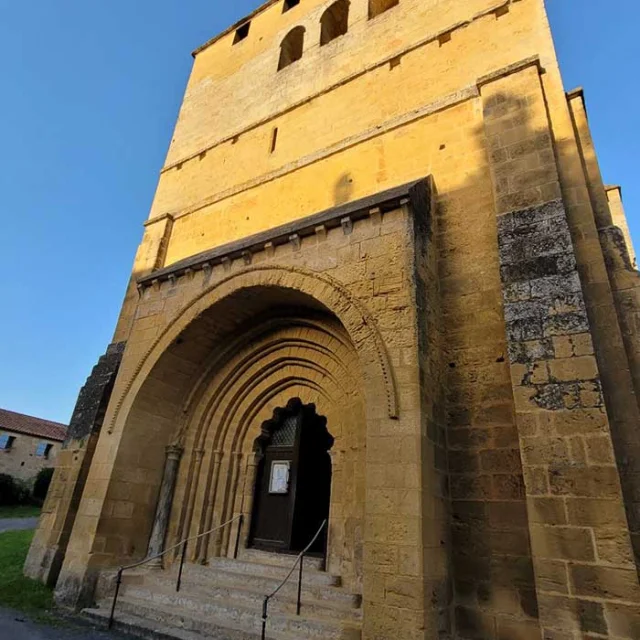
(174, 452)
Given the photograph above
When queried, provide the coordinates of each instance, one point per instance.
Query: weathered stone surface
(94, 396)
(460, 335)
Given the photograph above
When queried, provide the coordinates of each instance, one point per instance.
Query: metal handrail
(183, 543)
(299, 559)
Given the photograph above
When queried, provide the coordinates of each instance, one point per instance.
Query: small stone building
(382, 285)
(28, 444)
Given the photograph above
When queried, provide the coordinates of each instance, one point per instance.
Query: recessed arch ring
(351, 312)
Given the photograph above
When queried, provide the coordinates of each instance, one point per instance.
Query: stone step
(206, 577)
(238, 570)
(139, 627)
(209, 618)
(161, 591)
(278, 573)
(279, 559)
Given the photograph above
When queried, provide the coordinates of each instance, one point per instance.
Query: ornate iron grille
(285, 436)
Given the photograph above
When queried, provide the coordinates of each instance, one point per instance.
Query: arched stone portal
(209, 395)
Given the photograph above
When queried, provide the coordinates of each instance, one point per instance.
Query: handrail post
(265, 606)
(160, 555)
(115, 597)
(237, 547)
(298, 606)
(299, 559)
(182, 559)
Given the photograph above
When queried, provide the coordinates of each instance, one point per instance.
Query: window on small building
(43, 449)
(6, 441)
(289, 4)
(242, 32)
(291, 47)
(334, 22)
(376, 7)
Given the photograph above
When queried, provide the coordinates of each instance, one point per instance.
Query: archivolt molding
(250, 334)
(237, 383)
(352, 313)
(273, 340)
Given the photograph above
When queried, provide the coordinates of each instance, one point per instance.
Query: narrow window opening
(242, 32)
(289, 4)
(502, 11)
(6, 441)
(43, 450)
(376, 7)
(443, 38)
(291, 48)
(274, 139)
(334, 22)
(395, 62)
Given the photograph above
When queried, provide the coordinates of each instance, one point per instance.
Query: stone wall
(368, 259)
(619, 219)
(471, 340)
(21, 460)
(49, 545)
(584, 569)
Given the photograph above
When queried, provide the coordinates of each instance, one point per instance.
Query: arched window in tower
(289, 4)
(376, 7)
(291, 47)
(334, 22)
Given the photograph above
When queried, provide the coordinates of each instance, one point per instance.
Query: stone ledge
(532, 61)
(292, 233)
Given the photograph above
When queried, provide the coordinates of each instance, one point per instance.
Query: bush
(7, 489)
(13, 492)
(41, 485)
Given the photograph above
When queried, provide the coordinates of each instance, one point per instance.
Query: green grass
(24, 511)
(16, 591)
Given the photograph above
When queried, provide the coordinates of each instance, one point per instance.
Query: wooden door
(275, 492)
(293, 483)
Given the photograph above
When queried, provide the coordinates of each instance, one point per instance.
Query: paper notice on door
(279, 482)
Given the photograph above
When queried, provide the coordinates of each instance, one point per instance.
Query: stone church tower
(382, 284)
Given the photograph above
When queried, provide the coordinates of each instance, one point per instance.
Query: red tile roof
(32, 426)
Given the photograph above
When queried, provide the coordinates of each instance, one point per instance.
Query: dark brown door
(293, 483)
(275, 489)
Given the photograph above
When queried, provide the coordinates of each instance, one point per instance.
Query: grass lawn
(16, 591)
(20, 512)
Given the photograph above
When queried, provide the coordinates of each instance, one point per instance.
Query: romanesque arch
(329, 293)
(240, 350)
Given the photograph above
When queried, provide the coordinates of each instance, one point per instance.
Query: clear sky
(91, 91)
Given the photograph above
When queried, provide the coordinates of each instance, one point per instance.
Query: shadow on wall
(491, 565)
(493, 587)
(494, 590)
(343, 189)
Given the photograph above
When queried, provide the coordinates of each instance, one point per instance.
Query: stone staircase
(223, 601)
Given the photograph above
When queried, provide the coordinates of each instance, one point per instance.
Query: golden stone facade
(392, 211)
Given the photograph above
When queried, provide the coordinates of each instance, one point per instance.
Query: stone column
(163, 509)
(251, 473)
(204, 543)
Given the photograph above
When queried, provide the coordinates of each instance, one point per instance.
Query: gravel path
(17, 524)
(14, 626)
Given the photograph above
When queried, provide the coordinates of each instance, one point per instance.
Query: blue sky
(91, 94)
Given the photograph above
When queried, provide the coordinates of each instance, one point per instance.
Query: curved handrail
(299, 559)
(183, 543)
